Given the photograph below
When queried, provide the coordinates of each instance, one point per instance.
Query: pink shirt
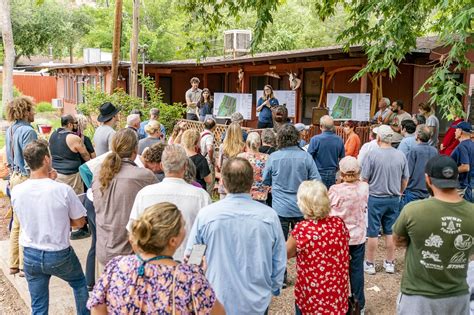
(349, 202)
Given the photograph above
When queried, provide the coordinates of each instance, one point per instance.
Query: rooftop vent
(237, 42)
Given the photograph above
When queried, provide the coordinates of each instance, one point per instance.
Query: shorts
(382, 211)
(423, 305)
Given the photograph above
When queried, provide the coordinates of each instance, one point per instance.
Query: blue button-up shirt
(326, 149)
(407, 143)
(23, 134)
(285, 170)
(417, 158)
(246, 252)
(141, 131)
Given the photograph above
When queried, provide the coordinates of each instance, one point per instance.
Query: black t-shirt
(89, 147)
(266, 149)
(202, 168)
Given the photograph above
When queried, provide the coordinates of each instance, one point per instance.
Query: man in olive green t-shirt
(438, 233)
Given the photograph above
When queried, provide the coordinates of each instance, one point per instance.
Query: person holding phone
(264, 107)
(177, 288)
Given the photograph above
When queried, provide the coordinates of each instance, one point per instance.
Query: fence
(363, 131)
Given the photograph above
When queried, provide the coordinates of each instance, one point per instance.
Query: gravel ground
(381, 302)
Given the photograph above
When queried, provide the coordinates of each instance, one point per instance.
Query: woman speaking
(264, 107)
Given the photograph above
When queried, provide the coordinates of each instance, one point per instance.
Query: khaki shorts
(73, 180)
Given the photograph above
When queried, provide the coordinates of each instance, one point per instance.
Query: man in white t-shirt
(46, 210)
(206, 145)
(188, 198)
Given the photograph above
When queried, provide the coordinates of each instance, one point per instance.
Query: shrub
(43, 107)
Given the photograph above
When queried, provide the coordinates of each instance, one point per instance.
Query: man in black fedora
(103, 134)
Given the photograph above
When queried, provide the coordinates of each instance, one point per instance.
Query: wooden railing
(362, 131)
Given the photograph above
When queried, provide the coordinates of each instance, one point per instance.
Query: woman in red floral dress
(321, 246)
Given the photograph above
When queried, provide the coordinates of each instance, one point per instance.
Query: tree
(9, 55)
(116, 44)
(386, 29)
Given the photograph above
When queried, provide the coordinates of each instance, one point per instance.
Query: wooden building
(322, 70)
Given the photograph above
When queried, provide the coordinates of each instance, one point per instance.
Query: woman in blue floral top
(151, 282)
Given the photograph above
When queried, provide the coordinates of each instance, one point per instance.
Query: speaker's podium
(318, 112)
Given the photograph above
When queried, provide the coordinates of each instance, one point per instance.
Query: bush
(169, 114)
(43, 107)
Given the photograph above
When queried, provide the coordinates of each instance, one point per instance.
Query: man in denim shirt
(285, 170)
(327, 149)
(21, 112)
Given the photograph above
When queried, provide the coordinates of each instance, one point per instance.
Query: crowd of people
(147, 199)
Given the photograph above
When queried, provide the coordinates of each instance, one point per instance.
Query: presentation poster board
(225, 104)
(283, 97)
(349, 106)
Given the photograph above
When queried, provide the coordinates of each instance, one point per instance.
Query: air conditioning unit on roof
(237, 41)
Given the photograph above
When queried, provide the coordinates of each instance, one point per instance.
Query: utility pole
(134, 49)
(116, 44)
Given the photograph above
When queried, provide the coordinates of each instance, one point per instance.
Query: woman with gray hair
(82, 123)
(259, 191)
(268, 141)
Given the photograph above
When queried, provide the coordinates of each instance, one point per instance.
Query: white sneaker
(369, 268)
(389, 266)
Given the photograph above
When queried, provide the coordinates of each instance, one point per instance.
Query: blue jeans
(383, 211)
(41, 265)
(90, 262)
(328, 178)
(410, 195)
(286, 224)
(356, 272)
(297, 310)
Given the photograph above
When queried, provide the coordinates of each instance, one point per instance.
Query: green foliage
(169, 114)
(37, 26)
(44, 107)
(16, 92)
(386, 29)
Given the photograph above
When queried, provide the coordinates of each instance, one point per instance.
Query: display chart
(284, 97)
(225, 104)
(349, 106)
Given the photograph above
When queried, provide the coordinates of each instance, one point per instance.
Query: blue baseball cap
(464, 126)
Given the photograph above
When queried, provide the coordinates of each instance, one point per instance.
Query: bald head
(237, 174)
(133, 120)
(423, 133)
(326, 122)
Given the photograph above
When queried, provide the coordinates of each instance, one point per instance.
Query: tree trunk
(71, 56)
(9, 57)
(116, 44)
(134, 49)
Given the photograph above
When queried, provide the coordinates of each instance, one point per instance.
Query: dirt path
(10, 300)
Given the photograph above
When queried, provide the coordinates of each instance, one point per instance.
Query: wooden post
(116, 44)
(134, 49)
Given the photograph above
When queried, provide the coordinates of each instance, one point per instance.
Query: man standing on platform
(66, 151)
(327, 149)
(193, 96)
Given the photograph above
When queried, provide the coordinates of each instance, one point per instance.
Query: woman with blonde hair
(265, 105)
(160, 285)
(114, 189)
(321, 246)
(231, 147)
(153, 130)
(259, 191)
(349, 202)
(190, 143)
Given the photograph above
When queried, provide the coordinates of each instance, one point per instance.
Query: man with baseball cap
(463, 155)
(438, 233)
(386, 170)
(303, 130)
(103, 134)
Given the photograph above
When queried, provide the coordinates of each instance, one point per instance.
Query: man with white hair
(380, 115)
(386, 170)
(188, 198)
(327, 149)
(133, 122)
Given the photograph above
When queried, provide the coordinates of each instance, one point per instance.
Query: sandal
(14, 271)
